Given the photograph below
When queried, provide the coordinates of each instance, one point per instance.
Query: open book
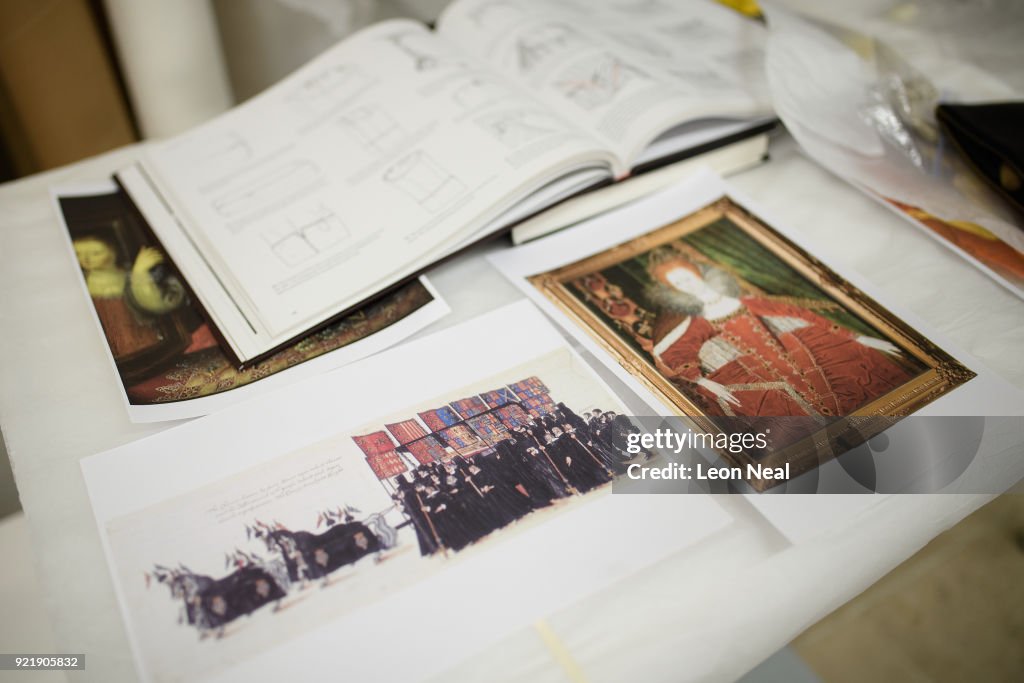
(402, 145)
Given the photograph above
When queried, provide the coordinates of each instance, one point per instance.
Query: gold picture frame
(933, 371)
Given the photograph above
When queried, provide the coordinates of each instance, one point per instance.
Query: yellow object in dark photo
(988, 137)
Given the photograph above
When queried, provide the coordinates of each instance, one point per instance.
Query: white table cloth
(712, 612)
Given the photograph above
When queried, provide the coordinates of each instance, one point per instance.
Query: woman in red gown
(756, 356)
(750, 355)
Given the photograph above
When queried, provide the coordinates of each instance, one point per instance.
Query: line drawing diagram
(213, 156)
(643, 44)
(305, 237)
(536, 46)
(327, 88)
(479, 91)
(744, 62)
(642, 7)
(496, 15)
(425, 181)
(514, 129)
(692, 30)
(266, 187)
(699, 77)
(573, 6)
(372, 127)
(421, 48)
(596, 81)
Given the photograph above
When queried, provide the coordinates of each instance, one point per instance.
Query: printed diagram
(478, 92)
(692, 30)
(698, 77)
(747, 63)
(496, 15)
(538, 45)
(572, 6)
(422, 49)
(371, 127)
(267, 187)
(644, 45)
(213, 156)
(642, 7)
(307, 236)
(327, 88)
(422, 179)
(596, 81)
(515, 129)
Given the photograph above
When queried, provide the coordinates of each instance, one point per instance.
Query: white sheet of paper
(985, 395)
(185, 495)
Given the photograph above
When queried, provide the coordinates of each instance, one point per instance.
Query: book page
(625, 71)
(360, 168)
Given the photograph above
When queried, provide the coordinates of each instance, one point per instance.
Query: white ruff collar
(725, 306)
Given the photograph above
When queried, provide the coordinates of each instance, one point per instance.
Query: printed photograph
(464, 470)
(974, 239)
(274, 551)
(162, 346)
(726, 320)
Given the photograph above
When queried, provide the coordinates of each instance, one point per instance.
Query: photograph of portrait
(732, 325)
(139, 299)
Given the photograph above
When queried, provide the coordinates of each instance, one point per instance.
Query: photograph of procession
(733, 326)
(463, 470)
(278, 549)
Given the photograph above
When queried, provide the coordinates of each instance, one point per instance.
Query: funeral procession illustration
(455, 474)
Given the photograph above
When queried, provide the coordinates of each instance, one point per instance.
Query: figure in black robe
(566, 415)
(461, 526)
(477, 511)
(600, 469)
(407, 496)
(583, 470)
(501, 461)
(499, 479)
(509, 474)
(622, 427)
(546, 473)
(517, 472)
(609, 458)
(435, 505)
(550, 466)
(586, 425)
(601, 433)
(536, 431)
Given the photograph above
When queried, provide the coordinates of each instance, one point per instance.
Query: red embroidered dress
(776, 358)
